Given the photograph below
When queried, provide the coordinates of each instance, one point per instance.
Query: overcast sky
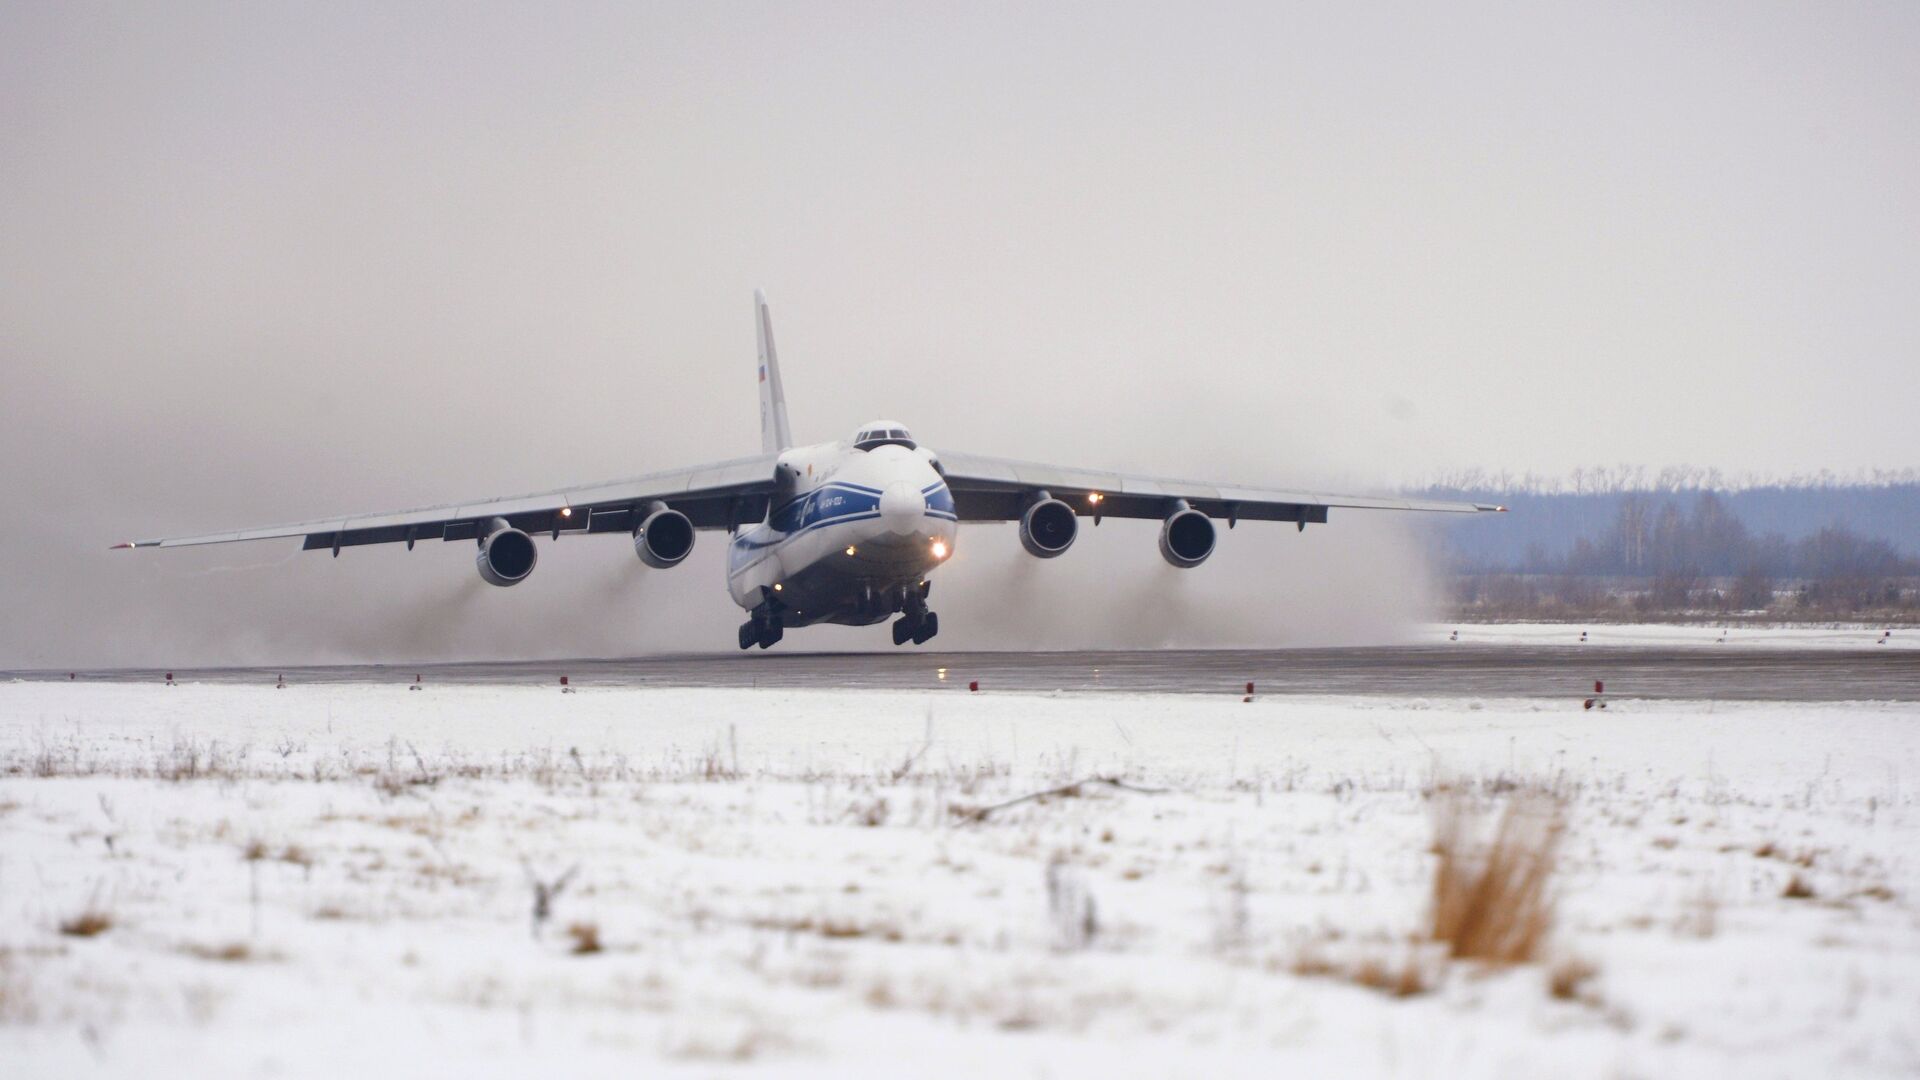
(269, 262)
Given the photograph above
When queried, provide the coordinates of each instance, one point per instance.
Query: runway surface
(1447, 671)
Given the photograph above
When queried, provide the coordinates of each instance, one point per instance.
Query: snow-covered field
(342, 880)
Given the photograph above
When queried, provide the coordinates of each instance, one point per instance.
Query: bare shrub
(1070, 905)
(1492, 903)
(872, 814)
(545, 893)
(46, 762)
(1798, 888)
(1701, 916)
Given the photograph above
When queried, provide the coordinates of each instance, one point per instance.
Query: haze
(272, 262)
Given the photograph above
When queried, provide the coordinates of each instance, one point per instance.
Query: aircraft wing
(999, 489)
(717, 496)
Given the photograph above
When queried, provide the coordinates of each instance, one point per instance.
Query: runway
(1459, 670)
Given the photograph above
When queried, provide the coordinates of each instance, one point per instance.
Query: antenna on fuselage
(775, 435)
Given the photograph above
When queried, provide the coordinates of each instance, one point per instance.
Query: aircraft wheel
(772, 635)
(929, 625)
(902, 630)
(749, 634)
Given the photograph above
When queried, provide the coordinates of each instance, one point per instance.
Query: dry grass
(233, 952)
(1402, 980)
(89, 923)
(1798, 888)
(586, 938)
(1408, 978)
(1494, 904)
(1565, 978)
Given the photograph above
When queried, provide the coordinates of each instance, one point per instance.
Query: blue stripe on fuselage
(834, 503)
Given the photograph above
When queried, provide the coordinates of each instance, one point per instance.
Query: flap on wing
(998, 489)
(717, 496)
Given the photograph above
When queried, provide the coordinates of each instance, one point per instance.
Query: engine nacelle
(1186, 538)
(506, 555)
(664, 537)
(1048, 527)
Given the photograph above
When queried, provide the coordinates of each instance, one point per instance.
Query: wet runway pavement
(1458, 670)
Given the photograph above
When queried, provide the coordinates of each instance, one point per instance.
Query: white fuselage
(849, 535)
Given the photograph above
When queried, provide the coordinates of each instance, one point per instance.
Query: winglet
(775, 435)
(121, 547)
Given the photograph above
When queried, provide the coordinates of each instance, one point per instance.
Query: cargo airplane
(840, 532)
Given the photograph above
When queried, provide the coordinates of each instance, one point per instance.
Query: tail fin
(775, 436)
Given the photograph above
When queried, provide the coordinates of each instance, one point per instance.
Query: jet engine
(1186, 539)
(506, 555)
(1048, 527)
(663, 538)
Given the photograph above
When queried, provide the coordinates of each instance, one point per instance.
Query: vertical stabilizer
(775, 435)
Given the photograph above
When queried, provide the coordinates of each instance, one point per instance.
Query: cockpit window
(883, 435)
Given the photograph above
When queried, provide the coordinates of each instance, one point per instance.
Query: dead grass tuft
(586, 938)
(1798, 888)
(233, 952)
(1494, 904)
(1408, 978)
(89, 923)
(1566, 977)
(1404, 980)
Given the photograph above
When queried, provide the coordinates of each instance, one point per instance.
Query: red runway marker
(973, 686)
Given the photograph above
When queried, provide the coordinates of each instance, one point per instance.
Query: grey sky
(264, 262)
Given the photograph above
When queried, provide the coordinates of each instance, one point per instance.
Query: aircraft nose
(901, 507)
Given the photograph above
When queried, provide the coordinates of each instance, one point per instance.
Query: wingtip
(121, 547)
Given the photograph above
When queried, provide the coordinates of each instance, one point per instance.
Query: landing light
(566, 511)
(1094, 497)
(849, 549)
(939, 549)
(777, 588)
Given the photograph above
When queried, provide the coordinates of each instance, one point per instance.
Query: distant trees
(1706, 540)
(1666, 555)
(1668, 480)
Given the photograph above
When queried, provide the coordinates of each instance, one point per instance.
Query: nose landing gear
(916, 623)
(919, 631)
(765, 627)
(762, 632)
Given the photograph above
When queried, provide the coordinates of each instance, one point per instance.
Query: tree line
(1660, 556)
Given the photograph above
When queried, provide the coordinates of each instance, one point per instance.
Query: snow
(1797, 636)
(791, 882)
